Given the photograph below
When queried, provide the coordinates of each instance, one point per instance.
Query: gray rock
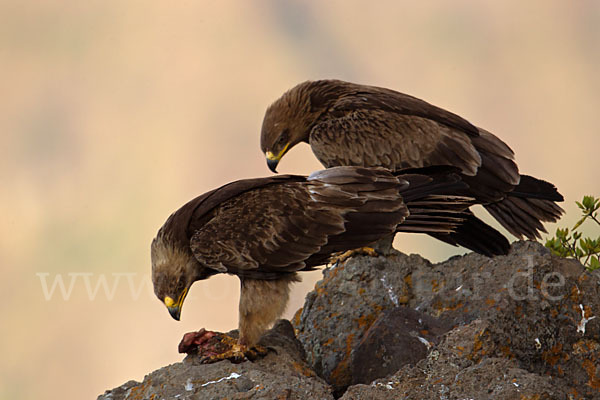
(282, 374)
(399, 337)
(345, 304)
(518, 326)
(448, 373)
(531, 301)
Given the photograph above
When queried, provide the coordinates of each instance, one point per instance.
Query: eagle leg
(341, 258)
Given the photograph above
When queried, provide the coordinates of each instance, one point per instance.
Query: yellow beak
(173, 306)
(273, 159)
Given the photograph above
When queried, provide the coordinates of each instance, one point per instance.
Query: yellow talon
(235, 352)
(341, 258)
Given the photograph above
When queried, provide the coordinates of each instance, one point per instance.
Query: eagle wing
(371, 126)
(380, 127)
(396, 141)
(275, 229)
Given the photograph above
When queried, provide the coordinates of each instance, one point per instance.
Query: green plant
(570, 243)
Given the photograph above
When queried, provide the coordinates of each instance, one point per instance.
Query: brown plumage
(351, 124)
(265, 230)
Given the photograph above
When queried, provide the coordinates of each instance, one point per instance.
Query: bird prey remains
(265, 230)
(359, 125)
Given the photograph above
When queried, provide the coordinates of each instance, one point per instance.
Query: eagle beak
(175, 312)
(173, 306)
(272, 163)
(273, 159)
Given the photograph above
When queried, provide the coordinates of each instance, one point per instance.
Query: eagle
(358, 125)
(266, 230)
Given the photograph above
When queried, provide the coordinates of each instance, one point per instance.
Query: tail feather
(524, 217)
(476, 235)
(378, 203)
(447, 221)
(435, 213)
(437, 180)
(444, 215)
(521, 209)
(534, 188)
(432, 220)
(527, 206)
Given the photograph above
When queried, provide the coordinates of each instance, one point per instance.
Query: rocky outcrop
(282, 374)
(448, 373)
(516, 326)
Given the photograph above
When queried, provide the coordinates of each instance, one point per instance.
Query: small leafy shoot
(569, 243)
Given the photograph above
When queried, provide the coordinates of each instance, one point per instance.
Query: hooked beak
(273, 159)
(173, 306)
(272, 163)
(175, 312)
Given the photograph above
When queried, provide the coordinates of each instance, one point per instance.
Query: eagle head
(287, 122)
(174, 270)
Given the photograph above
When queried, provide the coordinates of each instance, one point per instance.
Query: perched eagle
(265, 230)
(359, 125)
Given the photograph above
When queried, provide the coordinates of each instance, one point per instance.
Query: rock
(399, 336)
(345, 304)
(449, 373)
(282, 374)
(518, 326)
(539, 311)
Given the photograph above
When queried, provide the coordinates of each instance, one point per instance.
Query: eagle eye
(283, 137)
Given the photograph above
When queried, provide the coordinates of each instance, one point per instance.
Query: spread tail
(531, 203)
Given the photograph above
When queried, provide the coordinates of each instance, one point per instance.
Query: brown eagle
(265, 230)
(359, 125)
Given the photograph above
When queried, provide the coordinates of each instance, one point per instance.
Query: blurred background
(114, 114)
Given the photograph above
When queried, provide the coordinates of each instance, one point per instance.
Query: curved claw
(236, 353)
(341, 258)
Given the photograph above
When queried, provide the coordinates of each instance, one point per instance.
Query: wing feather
(280, 227)
(394, 141)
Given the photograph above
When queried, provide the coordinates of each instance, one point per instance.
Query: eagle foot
(215, 346)
(230, 349)
(341, 258)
